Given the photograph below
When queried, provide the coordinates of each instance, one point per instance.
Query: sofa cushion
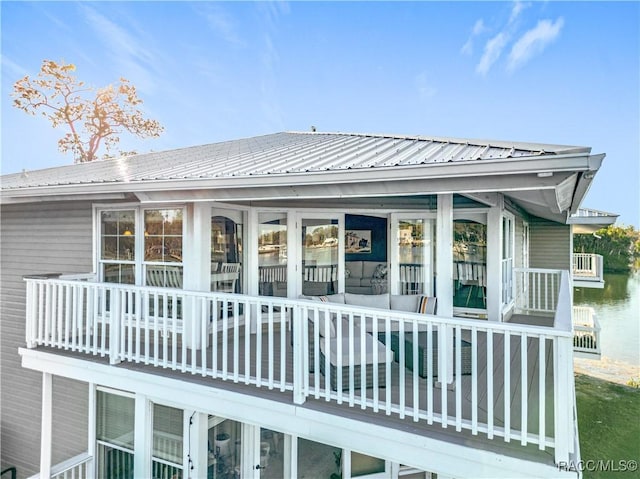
(354, 268)
(405, 302)
(380, 301)
(353, 281)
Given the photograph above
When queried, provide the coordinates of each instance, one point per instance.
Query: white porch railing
(587, 267)
(586, 330)
(77, 467)
(537, 290)
(510, 380)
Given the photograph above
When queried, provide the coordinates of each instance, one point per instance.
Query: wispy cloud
(492, 51)
(220, 22)
(126, 49)
(11, 69)
(533, 42)
(528, 45)
(516, 10)
(478, 29)
(271, 12)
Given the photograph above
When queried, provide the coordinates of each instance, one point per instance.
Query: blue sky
(552, 72)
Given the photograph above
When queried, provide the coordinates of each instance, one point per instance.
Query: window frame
(139, 261)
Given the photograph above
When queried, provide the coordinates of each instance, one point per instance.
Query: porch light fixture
(127, 233)
(545, 174)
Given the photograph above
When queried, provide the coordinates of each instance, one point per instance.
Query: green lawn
(609, 426)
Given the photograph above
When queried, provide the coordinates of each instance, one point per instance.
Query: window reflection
(272, 254)
(226, 253)
(117, 246)
(469, 264)
(163, 235)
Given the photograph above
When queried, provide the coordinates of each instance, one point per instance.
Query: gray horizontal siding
(549, 245)
(38, 238)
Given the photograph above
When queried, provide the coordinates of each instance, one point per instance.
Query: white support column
(494, 261)
(346, 464)
(196, 427)
(46, 425)
(290, 456)
(444, 271)
(197, 264)
(250, 451)
(252, 253)
(294, 261)
(142, 437)
(91, 430)
(444, 253)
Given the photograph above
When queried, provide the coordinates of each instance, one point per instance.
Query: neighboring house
(197, 313)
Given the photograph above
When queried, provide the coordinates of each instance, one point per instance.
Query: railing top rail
(538, 270)
(331, 307)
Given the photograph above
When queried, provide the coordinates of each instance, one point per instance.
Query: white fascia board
(407, 187)
(433, 171)
(444, 457)
(8, 199)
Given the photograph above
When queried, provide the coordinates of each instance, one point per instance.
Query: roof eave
(538, 165)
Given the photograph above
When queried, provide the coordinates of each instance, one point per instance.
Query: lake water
(617, 307)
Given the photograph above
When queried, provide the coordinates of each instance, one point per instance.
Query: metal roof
(287, 153)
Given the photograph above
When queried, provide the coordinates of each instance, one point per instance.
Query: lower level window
(114, 434)
(167, 452)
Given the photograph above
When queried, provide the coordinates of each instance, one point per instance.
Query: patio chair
(225, 280)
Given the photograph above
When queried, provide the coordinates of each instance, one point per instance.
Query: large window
(118, 246)
(167, 452)
(163, 247)
(141, 246)
(114, 435)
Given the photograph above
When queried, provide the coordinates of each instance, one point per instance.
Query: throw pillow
(380, 271)
(427, 305)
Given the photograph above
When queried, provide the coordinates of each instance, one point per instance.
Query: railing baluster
(387, 341)
(490, 353)
(507, 386)
(401, 369)
(258, 344)
(283, 347)
(327, 356)
(363, 361)
(247, 338)
(542, 342)
(524, 395)
(351, 361)
(204, 336)
(225, 340)
(236, 340)
(430, 382)
(340, 365)
(474, 381)
(47, 340)
(270, 353)
(416, 370)
(457, 339)
(376, 364)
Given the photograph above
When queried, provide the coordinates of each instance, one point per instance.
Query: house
(197, 313)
